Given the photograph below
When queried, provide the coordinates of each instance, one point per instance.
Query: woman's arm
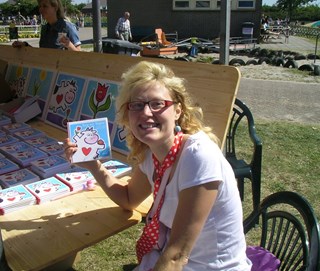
(194, 206)
(127, 195)
(66, 42)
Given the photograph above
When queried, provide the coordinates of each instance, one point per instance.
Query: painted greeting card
(22, 176)
(117, 168)
(39, 141)
(6, 165)
(7, 139)
(15, 198)
(26, 156)
(99, 100)
(14, 147)
(40, 83)
(48, 189)
(17, 76)
(65, 100)
(4, 120)
(92, 139)
(118, 140)
(14, 127)
(28, 133)
(76, 180)
(49, 166)
(54, 148)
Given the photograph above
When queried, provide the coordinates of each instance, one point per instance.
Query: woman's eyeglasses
(155, 105)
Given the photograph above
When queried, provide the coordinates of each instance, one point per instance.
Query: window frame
(213, 5)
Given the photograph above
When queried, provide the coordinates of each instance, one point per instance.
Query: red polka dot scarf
(150, 234)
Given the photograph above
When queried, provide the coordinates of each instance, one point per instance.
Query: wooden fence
(305, 31)
(13, 32)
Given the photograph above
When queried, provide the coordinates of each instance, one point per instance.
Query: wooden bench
(214, 88)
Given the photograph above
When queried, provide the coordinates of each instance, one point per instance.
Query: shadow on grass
(129, 267)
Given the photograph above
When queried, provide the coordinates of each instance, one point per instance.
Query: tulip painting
(37, 84)
(100, 100)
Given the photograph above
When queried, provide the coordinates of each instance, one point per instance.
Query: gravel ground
(270, 72)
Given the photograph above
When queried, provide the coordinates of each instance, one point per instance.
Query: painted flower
(43, 75)
(99, 99)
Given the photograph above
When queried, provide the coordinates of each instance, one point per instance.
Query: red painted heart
(59, 98)
(86, 151)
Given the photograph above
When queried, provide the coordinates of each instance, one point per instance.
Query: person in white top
(123, 28)
(196, 219)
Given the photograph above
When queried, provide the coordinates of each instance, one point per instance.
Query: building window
(181, 4)
(202, 4)
(211, 4)
(246, 4)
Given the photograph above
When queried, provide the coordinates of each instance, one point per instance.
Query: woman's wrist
(94, 166)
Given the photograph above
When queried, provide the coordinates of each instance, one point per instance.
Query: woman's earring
(177, 128)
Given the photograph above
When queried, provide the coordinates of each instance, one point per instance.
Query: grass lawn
(291, 156)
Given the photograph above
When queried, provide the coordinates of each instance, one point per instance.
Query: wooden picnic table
(275, 33)
(51, 234)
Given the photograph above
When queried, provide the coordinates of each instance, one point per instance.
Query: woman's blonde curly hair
(147, 73)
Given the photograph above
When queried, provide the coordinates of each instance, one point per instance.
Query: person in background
(34, 22)
(196, 219)
(58, 32)
(123, 28)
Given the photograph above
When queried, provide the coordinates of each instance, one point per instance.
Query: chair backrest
(289, 229)
(242, 112)
(159, 32)
(162, 39)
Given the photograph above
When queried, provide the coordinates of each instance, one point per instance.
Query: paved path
(281, 100)
(295, 44)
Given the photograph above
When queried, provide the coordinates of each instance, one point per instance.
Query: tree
(291, 5)
(25, 7)
(30, 8)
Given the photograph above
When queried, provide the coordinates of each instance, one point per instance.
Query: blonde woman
(196, 219)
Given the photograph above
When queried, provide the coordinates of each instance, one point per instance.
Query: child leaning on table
(196, 220)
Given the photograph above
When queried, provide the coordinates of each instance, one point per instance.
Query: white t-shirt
(221, 244)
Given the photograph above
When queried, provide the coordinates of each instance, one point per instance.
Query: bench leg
(64, 265)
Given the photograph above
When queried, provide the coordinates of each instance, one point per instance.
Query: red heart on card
(86, 151)
(59, 98)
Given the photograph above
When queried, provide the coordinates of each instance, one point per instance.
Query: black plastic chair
(243, 169)
(289, 229)
(3, 263)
